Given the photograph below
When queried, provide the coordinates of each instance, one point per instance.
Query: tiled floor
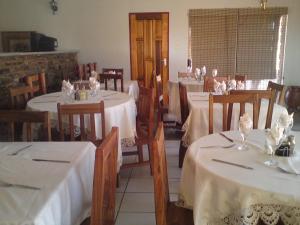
(135, 196)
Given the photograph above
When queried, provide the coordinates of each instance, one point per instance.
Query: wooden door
(149, 47)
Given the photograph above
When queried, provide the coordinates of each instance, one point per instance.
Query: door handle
(164, 61)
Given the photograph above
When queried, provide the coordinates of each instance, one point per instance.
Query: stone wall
(14, 67)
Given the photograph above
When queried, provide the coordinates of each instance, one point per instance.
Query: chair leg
(140, 153)
(150, 158)
(182, 151)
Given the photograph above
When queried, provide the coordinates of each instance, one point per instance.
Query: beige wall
(99, 28)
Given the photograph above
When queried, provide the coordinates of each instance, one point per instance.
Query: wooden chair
(262, 94)
(105, 77)
(91, 67)
(184, 108)
(19, 96)
(81, 110)
(115, 74)
(144, 127)
(37, 83)
(28, 118)
(81, 71)
(242, 78)
(278, 90)
(226, 101)
(166, 212)
(104, 185)
(209, 82)
(162, 107)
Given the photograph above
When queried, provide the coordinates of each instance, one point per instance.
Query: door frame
(150, 15)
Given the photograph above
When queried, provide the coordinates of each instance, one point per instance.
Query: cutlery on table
(50, 160)
(227, 138)
(5, 184)
(218, 146)
(233, 164)
(20, 150)
(109, 95)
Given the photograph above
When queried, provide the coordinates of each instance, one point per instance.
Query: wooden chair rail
(19, 96)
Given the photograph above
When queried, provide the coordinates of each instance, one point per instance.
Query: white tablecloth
(66, 188)
(131, 87)
(220, 194)
(197, 122)
(192, 85)
(120, 111)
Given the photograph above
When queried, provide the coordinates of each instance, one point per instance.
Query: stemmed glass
(274, 138)
(244, 128)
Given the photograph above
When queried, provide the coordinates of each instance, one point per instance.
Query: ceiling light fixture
(263, 4)
(54, 6)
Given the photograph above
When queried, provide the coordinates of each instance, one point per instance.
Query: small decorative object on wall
(54, 6)
(263, 4)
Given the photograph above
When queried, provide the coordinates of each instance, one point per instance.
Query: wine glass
(272, 145)
(214, 72)
(245, 128)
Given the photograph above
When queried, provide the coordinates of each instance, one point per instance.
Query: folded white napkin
(67, 87)
(285, 120)
(240, 85)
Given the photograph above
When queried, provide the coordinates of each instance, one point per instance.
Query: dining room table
(46, 182)
(196, 125)
(224, 185)
(120, 111)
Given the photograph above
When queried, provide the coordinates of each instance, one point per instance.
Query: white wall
(99, 29)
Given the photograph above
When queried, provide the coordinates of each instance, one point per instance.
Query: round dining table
(196, 125)
(120, 111)
(224, 185)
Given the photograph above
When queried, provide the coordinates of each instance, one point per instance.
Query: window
(239, 41)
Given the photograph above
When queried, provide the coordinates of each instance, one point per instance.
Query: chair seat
(179, 215)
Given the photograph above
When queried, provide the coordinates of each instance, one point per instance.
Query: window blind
(239, 41)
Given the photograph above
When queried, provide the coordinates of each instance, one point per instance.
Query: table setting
(45, 182)
(228, 177)
(120, 110)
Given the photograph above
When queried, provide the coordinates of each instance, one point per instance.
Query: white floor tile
(136, 219)
(138, 202)
(122, 185)
(174, 186)
(140, 185)
(139, 172)
(119, 197)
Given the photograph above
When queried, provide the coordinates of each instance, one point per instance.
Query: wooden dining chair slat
(209, 82)
(162, 106)
(105, 77)
(19, 96)
(227, 100)
(81, 110)
(184, 109)
(241, 78)
(144, 127)
(104, 184)
(37, 83)
(166, 212)
(278, 90)
(262, 94)
(28, 118)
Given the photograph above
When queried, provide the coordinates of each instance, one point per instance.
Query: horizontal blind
(243, 41)
(213, 34)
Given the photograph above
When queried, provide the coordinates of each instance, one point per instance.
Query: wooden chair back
(239, 77)
(113, 70)
(28, 118)
(262, 94)
(186, 75)
(145, 110)
(278, 90)
(105, 77)
(91, 67)
(227, 100)
(209, 82)
(160, 176)
(105, 177)
(19, 96)
(81, 110)
(37, 83)
(81, 71)
(184, 106)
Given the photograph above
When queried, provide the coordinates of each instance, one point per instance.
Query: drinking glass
(272, 146)
(244, 130)
(214, 72)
